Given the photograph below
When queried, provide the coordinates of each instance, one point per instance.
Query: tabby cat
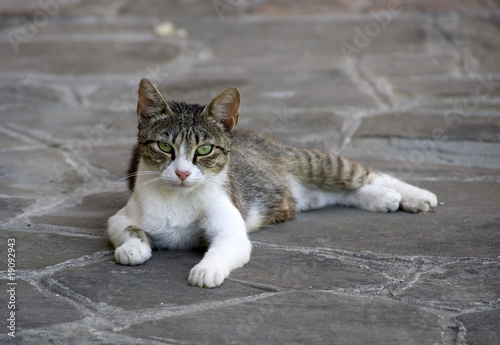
(195, 180)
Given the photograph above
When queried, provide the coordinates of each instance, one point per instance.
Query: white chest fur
(173, 219)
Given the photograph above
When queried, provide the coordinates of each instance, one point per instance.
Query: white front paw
(208, 275)
(132, 252)
(418, 200)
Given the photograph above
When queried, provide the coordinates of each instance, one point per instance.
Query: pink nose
(182, 174)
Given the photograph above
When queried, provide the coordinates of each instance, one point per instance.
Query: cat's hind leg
(413, 199)
(322, 178)
(373, 198)
(367, 197)
(388, 194)
(132, 244)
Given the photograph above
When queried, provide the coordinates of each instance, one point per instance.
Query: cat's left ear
(226, 107)
(150, 102)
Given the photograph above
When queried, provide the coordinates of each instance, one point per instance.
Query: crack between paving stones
(95, 180)
(465, 62)
(407, 283)
(20, 136)
(40, 206)
(434, 261)
(360, 81)
(70, 231)
(263, 287)
(372, 291)
(82, 167)
(46, 205)
(461, 333)
(103, 313)
(99, 312)
(87, 171)
(401, 274)
(32, 275)
(440, 309)
(167, 341)
(338, 253)
(445, 315)
(455, 307)
(350, 126)
(486, 178)
(382, 94)
(102, 316)
(37, 136)
(66, 331)
(130, 318)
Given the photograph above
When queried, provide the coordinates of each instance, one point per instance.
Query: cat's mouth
(183, 186)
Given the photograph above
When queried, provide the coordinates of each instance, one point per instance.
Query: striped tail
(329, 172)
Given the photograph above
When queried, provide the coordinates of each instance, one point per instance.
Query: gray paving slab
(291, 270)
(84, 129)
(476, 37)
(38, 250)
(444, 233)
(160, 283)
(72, 59)
(12, 207)
(32, 302)
(474, 127)
(26, 93)
(301, 317)
(411, 88)
(457, 283)
(92, 212)
(36, 172)
(480, 326)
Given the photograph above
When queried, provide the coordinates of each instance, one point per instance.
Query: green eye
(165, 147)
(204, 150)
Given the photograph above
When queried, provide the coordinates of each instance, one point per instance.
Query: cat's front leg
(229, 246)
(131, 243)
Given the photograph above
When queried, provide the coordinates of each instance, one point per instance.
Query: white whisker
(143, 184)
(139, 173)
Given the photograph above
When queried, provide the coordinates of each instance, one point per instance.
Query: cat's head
(187, 144)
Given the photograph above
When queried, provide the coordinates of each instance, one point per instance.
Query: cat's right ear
(150, 102)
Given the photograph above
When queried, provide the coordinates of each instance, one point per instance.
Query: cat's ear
(226, 107)
(150, 102)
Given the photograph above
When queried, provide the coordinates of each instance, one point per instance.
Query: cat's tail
(326, 171)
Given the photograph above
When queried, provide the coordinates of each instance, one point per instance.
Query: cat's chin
(182, 187)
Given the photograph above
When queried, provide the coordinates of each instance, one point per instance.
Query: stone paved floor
(409, 87)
